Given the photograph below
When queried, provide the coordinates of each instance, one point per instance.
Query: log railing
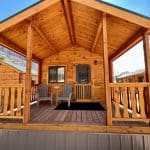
(11, 101)
(33, 93)
(82, 91)
(128, 101)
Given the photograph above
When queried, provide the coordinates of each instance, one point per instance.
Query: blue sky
(138, 6)
(10, 7)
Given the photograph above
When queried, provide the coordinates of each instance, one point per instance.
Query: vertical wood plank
(146, 47)
(111, 77)
(6, 96)
(12, 101)
(133, 99)
(106, 71)
(28, 75)
(116, 98)
(19, 92)
(0, 99)
(125, 103)
(141, 103)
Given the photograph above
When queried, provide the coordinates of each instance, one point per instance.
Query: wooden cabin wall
(8, 75)
(70, 58)
(132, 78)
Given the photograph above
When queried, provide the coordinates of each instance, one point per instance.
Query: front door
(83, 89)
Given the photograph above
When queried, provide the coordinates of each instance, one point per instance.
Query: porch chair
(66, 94)
(42, 94)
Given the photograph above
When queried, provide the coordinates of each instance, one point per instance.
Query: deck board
(46, 114)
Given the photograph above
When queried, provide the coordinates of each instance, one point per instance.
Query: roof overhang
(85, 30)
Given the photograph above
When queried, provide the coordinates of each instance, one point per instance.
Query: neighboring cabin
(136, 76)
(12, 75)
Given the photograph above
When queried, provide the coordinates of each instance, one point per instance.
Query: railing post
(146, 47)
(106, 71)
(28, 75)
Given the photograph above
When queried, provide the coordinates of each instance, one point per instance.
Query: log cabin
(9, 74)
(81, 39)
(136, 76)
(13, 75)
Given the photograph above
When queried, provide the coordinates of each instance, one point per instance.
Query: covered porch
(58, 33)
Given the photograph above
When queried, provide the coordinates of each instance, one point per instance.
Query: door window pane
(83, 74)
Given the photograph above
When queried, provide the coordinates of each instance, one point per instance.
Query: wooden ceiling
(62, 25)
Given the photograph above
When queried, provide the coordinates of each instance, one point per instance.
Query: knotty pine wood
(70, 58)
(85, 19)
(9, 74)
(26, 113)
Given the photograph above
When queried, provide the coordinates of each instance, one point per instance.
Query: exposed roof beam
(16, 48)
(127, 45)
(69, 20)
(139, 20)
(44, 38)
(26, 14)
(99, 29)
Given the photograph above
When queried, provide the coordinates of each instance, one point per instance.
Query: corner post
(111, 71)
(28, 74)
(106, 70)
(146, 47)
(40, 73)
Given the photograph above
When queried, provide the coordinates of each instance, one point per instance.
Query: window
(83, 74)
(141, 79)
(56, 74)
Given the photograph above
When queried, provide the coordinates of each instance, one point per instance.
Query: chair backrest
(42, 90)
(67, 89)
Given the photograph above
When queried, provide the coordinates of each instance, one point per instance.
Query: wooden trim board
(77, 128)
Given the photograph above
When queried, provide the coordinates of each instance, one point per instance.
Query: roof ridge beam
(44, 38)
(69, 20)
(133, 18)
(15, 48)
(99, 29)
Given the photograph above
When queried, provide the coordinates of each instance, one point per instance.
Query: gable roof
(99, 5)
(53, 29)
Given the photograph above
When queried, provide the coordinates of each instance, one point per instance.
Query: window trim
(56, 66)
(89, 72)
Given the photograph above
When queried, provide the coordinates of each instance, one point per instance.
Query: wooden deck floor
(47, 115)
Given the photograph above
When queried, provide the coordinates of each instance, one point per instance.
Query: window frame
(57, 74)
(89, 71)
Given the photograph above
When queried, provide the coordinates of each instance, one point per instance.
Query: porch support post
(106, 70)
(146, 47)
(40, 73)
(28, 75)
(111, 78)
